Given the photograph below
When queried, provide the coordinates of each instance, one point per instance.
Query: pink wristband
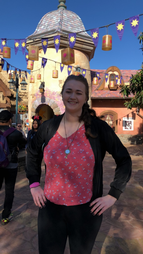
(33, 185)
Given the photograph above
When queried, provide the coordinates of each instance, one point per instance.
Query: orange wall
(117, 105)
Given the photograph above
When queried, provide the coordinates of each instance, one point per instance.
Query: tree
(136, 86)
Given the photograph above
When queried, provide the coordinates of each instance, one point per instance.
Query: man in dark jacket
(9, 173)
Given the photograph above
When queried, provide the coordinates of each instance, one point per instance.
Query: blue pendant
(67, 151)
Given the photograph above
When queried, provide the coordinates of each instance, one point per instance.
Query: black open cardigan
(105, 140)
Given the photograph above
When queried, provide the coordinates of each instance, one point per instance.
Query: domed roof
(60, 20)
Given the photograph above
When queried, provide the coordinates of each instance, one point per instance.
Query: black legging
(56, 222)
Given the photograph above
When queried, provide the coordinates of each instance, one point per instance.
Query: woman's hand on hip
(38, 196)
(100, 205)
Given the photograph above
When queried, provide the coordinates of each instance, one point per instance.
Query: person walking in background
(35, 125)
(71, 204)
(8, 172)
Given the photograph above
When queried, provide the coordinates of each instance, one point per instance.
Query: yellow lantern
(95, 81)
(107, 42)
(55, 74)
(38, 76)
(6, 52)
(32, 79)
(111, 83)
(33, 53)
(67, 56)
(30, 65)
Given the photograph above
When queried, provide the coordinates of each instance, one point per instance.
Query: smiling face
(74, 96)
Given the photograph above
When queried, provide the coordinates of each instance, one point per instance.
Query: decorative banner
(106, 76)
(3, 43)
(23, 45)
(83, 72)
(44, 61)
(20, 73)
(72, 39)
(116, 79)
(2, 62)
(26, 74)
(44, 44)
(26, 56)
(121, 79)
(61, 66)
(57, 42)
(134, 23)
(95, 35)
(16, 45)
(69, 69)
(120, 25)
(8, 66)
(98, 75)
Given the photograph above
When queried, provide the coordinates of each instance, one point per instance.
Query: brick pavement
(122, 228)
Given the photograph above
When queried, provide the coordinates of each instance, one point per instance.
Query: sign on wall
(128, 124)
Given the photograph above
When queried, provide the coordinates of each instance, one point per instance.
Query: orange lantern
(30, 65)
(32, 79)
(55, 74)
(95, 81)
(6, 52)
(107, 42)
(38, 76)
(33, 53)
(67, 56)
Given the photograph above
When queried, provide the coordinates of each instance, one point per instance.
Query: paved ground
(122, 228)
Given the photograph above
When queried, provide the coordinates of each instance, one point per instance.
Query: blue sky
(19, 19)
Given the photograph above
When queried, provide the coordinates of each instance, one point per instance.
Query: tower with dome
(59, 22)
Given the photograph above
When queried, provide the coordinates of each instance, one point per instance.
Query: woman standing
(35, 126)
(71, 204)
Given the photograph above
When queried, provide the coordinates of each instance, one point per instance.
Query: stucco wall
(117, 106)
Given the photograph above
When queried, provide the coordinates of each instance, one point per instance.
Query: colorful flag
(26, 74)
(16, 45)
(98, 75)
(121, 79)
(26, 56)
(106, 76)
(3, 43)
(72, 39)
(7, 67)
(116, 79)
(120, 25)
(2, 62)
(61, 66)
(134, 23)
(69, 69)
(57, 42)
(95, 35)
(83, 72)
(44, 61)
(23, 45)
(20, 73)
(44, 44)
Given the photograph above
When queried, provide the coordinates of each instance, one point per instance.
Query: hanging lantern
(38, 76)
(9, 75)
(32, 79)
(67, 56)
(41, 87)
(23, 84)
(33, 53)
(95, 81)
(13, 74)
(0, 68)
(55, 74)
(30, 65)
(111, 83)
(6, 52)
(107, 42)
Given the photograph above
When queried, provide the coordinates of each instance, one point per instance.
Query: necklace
(67, 151)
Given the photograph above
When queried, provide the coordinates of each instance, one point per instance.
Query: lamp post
(14, 84)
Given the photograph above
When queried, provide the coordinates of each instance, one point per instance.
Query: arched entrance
(110, 117)
(45, 111)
